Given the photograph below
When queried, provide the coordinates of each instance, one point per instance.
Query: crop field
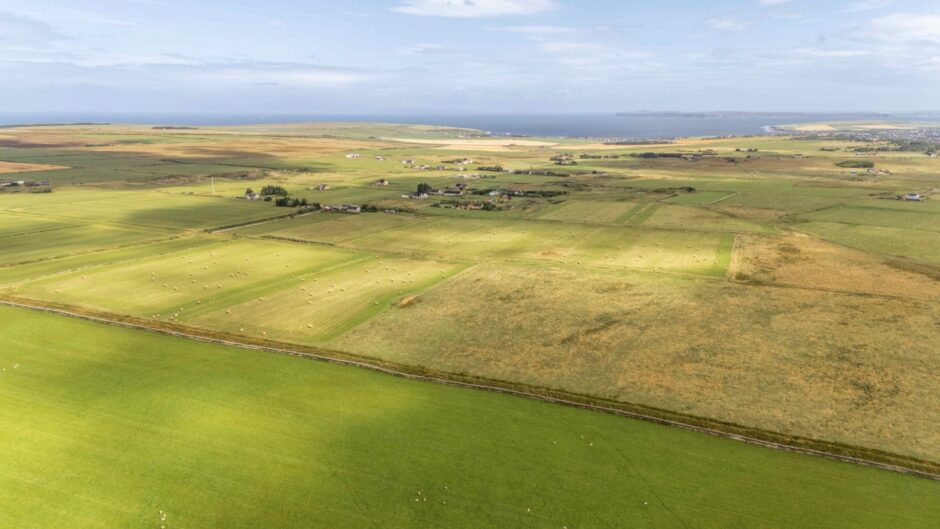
(910, 219)
(679, 217)
(922, 246)
(51, 266)
(749, 284)
(153, 209)
(807, 262)
(591, 212)
(739, 353)
(244, 439)
(81, 238)
(296, 293)
(14, 225)
(703, 197)
(677, 251)
(206, 273)
(14, 167)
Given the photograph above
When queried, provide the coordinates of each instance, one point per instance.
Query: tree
(273, 190)
(249, 192)
(424, 188)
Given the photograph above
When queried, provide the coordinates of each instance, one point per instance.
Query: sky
(468, 56)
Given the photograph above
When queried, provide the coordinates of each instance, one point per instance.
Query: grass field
(588, 211)
(81, 238)
(479, 239)
(148, 249)
(295, 293)
(151, 209)
(817, 364)
(220, 437)
(783, 297)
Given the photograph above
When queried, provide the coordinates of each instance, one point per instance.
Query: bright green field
(46, 267)
(479, 239)
(146, 208)
(588, 211)
(912, 219)
(919, 245)
(78, 239)
(292, 292)
(107, 427)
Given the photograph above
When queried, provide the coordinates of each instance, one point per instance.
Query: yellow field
(843, 367)
(14, 167)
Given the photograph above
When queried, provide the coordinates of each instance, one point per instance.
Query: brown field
(16, 167)
(802, 261)
(825, 365)
(498, 145)
(226, 147)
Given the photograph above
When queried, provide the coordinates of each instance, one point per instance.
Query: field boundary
(833, 451)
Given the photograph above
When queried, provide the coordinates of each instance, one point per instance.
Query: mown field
(757, 287)
(110, 427)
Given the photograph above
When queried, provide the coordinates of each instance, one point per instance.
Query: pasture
(823, 365)
(772, 292)
(153, 209)
(512, 240)
(295, 293)
(164, 431)
(70, 240)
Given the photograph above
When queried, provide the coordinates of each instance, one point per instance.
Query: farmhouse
(352, 155)
(914, 197)
(408, 162)
(380, 182)
(342, 208)
(323, 187)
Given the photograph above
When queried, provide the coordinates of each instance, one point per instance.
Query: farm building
(342, 208)
(323, 187)
(913, 197)
(352, 155)
(380, 182)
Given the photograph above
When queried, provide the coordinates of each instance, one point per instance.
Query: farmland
(750, 285)
(214, 436)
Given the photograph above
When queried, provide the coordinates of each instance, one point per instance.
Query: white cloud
(769, 3)
(474, 8)
(19, 29)
(570, 47)
(287, 75)
(726, 23)
(538, 30)
(905, 28)
(866, 5)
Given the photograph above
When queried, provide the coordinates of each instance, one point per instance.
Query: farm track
(774, 440)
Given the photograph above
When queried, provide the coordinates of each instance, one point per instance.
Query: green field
(108, 427)
(591, 212)
(758, 289)
(151, 209)
(296, 293)
(76, 239)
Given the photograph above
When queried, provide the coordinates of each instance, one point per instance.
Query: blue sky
(468, 56)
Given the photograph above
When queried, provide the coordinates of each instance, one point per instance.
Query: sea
(594, 125)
